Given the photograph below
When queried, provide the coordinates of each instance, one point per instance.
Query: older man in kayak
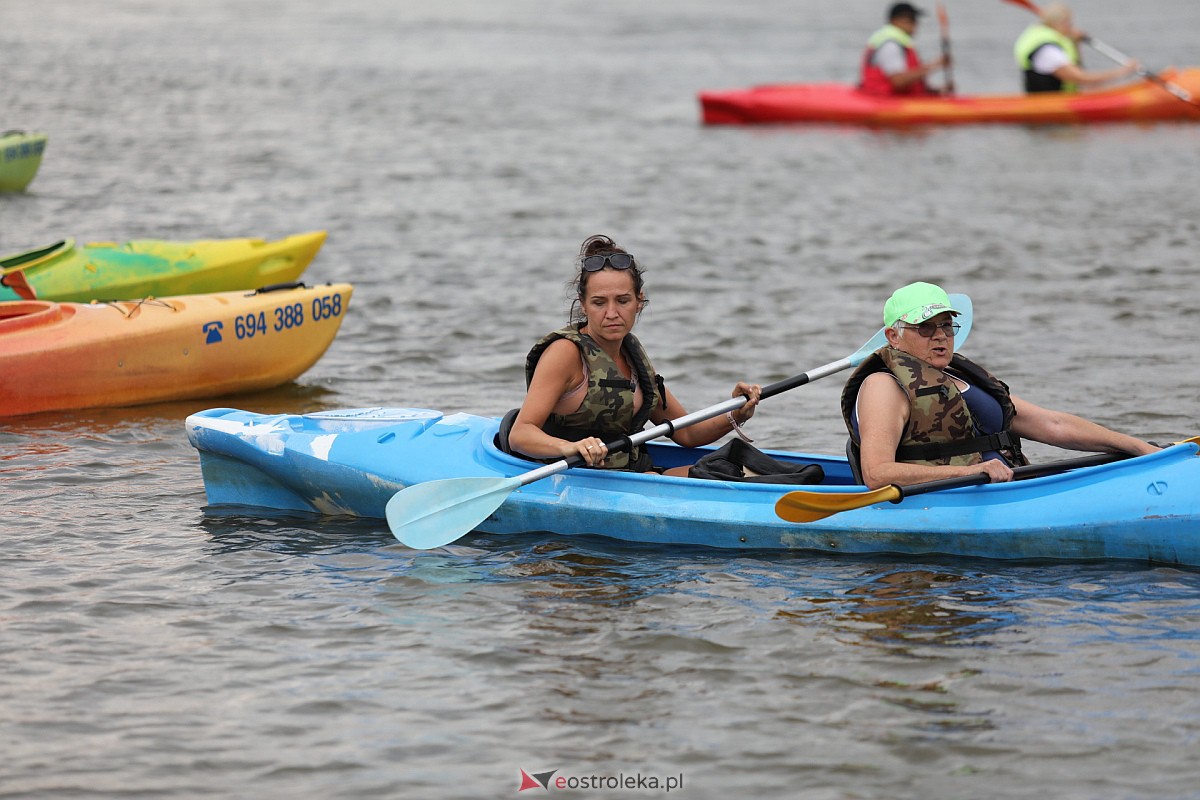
(891, 65)
(1048, 54)
(917, 411)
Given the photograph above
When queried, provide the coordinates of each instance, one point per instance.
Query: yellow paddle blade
(801, 506)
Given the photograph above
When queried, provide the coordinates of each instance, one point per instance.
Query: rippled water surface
(458, 152)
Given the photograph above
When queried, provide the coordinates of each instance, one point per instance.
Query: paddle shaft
(1116, 55)
(669, 427)
(1119, 57)
(1030, 471)
(944, 26)
(802, 506)
(435, 513)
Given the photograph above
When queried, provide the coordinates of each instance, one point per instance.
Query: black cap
(905, 10)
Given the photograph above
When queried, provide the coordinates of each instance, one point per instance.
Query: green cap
(916, 303)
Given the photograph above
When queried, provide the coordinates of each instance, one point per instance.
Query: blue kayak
(351, 462)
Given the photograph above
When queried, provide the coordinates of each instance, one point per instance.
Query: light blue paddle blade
(428, 515)
(963, 304)
(860, 355)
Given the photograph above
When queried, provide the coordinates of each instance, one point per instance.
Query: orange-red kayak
(75, 355)
(1142, 101)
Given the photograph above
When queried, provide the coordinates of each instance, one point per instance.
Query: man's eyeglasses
(928, 329)
(614, 260)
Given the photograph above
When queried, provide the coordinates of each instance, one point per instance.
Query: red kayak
(1142, 101)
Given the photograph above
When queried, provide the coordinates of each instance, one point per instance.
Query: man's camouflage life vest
(941, 430)
(607, 407)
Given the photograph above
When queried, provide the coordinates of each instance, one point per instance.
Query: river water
(458, 152)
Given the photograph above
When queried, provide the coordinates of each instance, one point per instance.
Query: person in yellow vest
(1048, 54)
(592, 380)
(891, 65)
(918, 411)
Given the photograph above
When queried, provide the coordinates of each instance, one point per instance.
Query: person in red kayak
(917, 411)
(592, 381)
(890, 65)
(1048, 54)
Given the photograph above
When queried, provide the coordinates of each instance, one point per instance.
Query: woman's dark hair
(600, 245)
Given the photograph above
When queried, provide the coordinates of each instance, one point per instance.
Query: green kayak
(20, 157)
(64, 271)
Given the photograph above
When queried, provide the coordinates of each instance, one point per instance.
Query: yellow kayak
(65, 271)
(123, 353)
(20, 157)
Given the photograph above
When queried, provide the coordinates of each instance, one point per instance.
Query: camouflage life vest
(607, 407)
(941, 430)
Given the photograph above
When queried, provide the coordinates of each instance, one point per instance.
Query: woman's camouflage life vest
(607, 407)
(941, 430)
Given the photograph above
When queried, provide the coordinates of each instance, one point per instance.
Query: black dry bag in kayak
(739, 461)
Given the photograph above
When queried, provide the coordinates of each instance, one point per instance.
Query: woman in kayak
(592, 381)
(918, 411)
(1048, 54)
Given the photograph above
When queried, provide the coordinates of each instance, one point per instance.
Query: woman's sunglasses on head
(614, 260)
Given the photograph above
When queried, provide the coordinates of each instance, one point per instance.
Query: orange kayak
(1141, 101)
(75, 355)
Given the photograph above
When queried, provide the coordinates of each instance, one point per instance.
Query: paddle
(944, 27)
(1119, 57)
(801, 506)
(433, 514)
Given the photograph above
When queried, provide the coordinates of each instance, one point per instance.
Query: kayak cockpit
(26, 314)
